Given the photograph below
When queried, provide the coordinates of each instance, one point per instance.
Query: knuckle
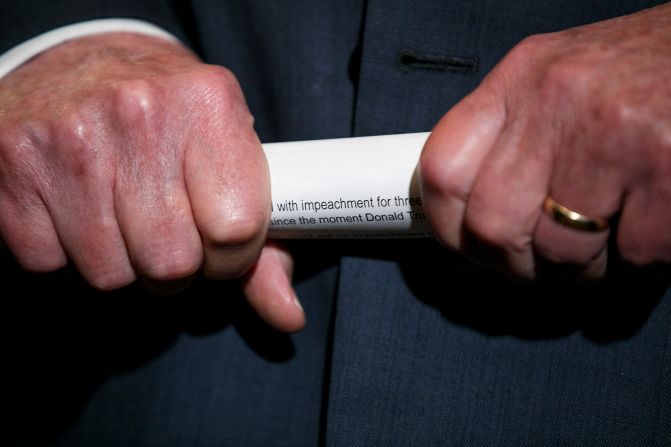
(174, 253)
(558, 256)
(497, 233)
(73, 140)
(239, 227)
(12, 137)
(634, 132)
(217, 77)
(100, 256)
(639, 127)
(17, 155)
(564, 80)
(640, 251)
(75, 148)
(527, 50)
(439, 178)
(178, 264)
(105, 266)
(71, 128)
(34, 247)
(217, 90)
(566, 253)
(532, 45)
(430, 169)
(111, 280)
(662, 143)
(660, 153)
(448, 236)
(620, 113)
(36, 256)
(41, 261)
(135, 101)
(635, 256)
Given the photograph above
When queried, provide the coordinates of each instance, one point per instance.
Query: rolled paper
(363, 187)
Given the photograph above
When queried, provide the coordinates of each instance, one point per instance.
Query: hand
(130, 157)
(582, 115)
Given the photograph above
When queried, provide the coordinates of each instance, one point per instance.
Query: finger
(155, 218)
(25, 224)
(268, 289)
(28, 231)
(505, 211)
(562, 245)
(506, 199)
(643, 237)
(451, 159)
(586, 185)
(80, 201)
(586, 253)
(90, 235)
(150, 198)
(228, 183)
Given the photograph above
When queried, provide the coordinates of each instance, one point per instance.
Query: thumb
(267, 286)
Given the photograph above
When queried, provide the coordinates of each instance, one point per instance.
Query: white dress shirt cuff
(30, 48)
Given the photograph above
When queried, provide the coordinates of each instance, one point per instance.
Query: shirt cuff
(30, 48)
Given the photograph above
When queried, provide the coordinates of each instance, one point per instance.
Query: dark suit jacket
(406, 344)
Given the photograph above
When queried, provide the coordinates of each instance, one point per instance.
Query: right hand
(130, 157)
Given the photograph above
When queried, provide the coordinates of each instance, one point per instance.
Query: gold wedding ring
(571, 219)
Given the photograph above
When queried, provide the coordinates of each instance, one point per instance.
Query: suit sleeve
(25, 19)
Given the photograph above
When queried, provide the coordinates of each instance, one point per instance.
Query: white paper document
(347, 188)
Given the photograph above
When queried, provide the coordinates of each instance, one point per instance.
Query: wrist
(18, 55)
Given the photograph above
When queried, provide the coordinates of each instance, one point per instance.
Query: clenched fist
(583, 116)
(127, 155)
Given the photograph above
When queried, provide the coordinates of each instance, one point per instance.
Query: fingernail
(295, 300)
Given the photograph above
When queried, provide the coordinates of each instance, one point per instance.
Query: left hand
(582, 115)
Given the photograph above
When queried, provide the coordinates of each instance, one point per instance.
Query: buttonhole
(410, 60)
